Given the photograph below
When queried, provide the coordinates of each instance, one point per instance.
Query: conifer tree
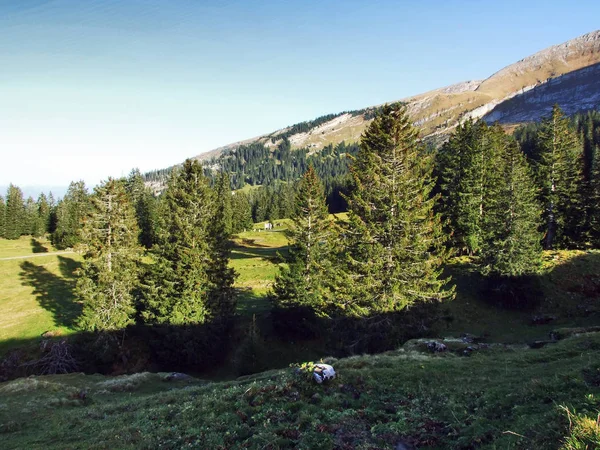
(559, 175)
(145, 206)
(594, 200)
(43, 215)
(111, 256)
(69, 216)
(30, 221)
(177, 288)
(222, 299)
(511, 245)
(52, 215)
(308, 278)
(242, 213)
(465, 169)
(2, 217)
(15, 213)
(394, 240)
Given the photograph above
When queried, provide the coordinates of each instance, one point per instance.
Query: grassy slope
(499, 398)
(36, 293)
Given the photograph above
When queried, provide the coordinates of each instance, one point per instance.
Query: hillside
(440, 110)
(498, 397)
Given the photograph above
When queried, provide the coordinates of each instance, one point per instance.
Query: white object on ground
(323, 372)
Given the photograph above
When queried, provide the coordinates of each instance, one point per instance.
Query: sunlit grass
(36, 296)
(25, 245)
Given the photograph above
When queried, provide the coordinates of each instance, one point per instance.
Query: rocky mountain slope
(567, 74)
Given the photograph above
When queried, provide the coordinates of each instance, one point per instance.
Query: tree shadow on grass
(37, 247)
(54, 293)
(250, 303)
(265, 253)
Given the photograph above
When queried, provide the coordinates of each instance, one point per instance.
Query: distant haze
(35, 191)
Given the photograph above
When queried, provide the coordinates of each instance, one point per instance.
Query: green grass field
(499, 398)
(502, 397)
(35, 292)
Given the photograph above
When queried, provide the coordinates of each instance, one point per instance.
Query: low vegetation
(499, 397)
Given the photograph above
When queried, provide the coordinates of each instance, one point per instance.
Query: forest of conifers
(164, 261)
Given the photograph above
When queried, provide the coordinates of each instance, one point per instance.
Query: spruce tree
(111, 256)
(222, 299)
(43, 215)
(2, 217)
(69, 216)
(465, 169)
(394, 240)
(14, 224)
(307, 279)
(145, 205)
(52, 215)
(242, 213)
(559, 176)
(511, 245)
(177, 287)
(594, 201)
(30, 221)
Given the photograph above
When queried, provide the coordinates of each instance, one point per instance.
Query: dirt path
(35, 255)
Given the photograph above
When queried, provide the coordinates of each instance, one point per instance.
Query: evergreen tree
(111, 256)
(222, 299)
(177, 288)
(307, 279)
(15, 213)
(43, 215)
(511, 245)
(69, 216)
(30, 222)
(594, 200)
(2, 217)
(465, 167)
(145, 207)
(394, 240)
(559, 175)
(242, 213)
(52, 215)
(224, 207)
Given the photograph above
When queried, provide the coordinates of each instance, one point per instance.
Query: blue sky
(92, 88)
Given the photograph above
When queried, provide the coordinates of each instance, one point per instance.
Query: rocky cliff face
(575, 91)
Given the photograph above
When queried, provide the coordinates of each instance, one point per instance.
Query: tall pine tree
(394, 240)
(69, 216)
(511, 245)
(465, 168)
(307, 280)
(242, 213)
(2, 216)
(111, 257)
(594, 201)
(222, 298)
(178, 285)
(145, 205)
(559, 176)
(43, 215)
(14, 224)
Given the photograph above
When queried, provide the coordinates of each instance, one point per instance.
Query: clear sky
(92, 88)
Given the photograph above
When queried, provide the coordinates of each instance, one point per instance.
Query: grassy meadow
(35, 291)
(498, 398)
(505, 395)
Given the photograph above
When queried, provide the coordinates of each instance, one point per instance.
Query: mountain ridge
(440, 110)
